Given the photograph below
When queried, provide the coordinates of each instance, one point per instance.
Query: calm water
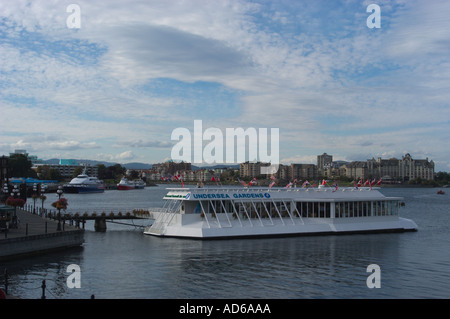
(124, 263)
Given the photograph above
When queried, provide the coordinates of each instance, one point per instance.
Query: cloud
(37, 143)
(141, 143)
(117, 157)
(71, 145)
(307, 159)
(127, 155)
(20, 144)
(421, 29)
(135, 71)
(140, 52)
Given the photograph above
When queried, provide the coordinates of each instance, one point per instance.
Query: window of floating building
(351, 209)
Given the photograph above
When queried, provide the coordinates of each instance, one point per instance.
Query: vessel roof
(263, 193)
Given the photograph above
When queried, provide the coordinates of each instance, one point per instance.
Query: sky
(112, 80)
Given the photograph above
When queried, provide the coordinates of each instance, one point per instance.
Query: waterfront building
(412, 169)
(283, 172)
(251, 169)
(404, 169)
(152, 175)
(171, 167)
(303, 171)
(66, 168)
(356, 170)
(334, 170)
(72, 162)
(323, 162)
(186, 175)
(388, 169)
(203, 175)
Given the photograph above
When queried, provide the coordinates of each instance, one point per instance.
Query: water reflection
(124, 263)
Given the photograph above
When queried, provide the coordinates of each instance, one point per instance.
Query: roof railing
(265, 189)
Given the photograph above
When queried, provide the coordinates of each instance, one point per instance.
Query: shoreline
(343, 184)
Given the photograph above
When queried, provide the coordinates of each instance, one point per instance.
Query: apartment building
(403, 169)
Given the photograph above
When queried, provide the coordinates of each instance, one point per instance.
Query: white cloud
(71, 145)
(306, 159)
(140, 143)
(127, 155)
(123, 157)
(141, 52)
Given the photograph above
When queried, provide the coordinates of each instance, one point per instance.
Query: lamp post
(34, 196)
(15, 194)
(5, 189)
(59, 192)
(43, 198)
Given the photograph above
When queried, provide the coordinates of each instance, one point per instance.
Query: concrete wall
(35, 244)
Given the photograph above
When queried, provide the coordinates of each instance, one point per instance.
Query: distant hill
(137, 166)
(194, 168)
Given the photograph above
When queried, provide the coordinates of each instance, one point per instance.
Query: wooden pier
(48, 230)
(78, 220)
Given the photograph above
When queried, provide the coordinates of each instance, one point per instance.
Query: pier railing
(78, 219)
(113, 214)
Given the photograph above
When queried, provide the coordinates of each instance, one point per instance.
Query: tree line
(20, 166)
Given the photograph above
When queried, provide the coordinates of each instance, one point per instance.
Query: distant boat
(126, 184)
(440, 192)
(84, 184)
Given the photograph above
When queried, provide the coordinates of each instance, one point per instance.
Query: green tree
(46, 172)
(111, 172)
(20, 166)
(43, 172)
(77, 171)
(101, 171)
(118, 171)
(134, 174)
(55, 174)
(443, 178)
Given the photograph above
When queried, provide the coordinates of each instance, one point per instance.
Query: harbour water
(124, 263)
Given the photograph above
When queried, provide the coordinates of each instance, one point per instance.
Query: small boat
(440, 192)
(126, 184)
(84, 184)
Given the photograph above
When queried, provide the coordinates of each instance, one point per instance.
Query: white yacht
(261, 212)
(84, 184)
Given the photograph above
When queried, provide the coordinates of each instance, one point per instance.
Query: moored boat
(126, 184)
(84, 184)
(257, 212)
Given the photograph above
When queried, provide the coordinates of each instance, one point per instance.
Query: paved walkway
(36, 226)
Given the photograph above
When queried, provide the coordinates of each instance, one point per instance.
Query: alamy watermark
(74, 279)
(73, 21)
(374, 279)
(374, 20)
(190, 147)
